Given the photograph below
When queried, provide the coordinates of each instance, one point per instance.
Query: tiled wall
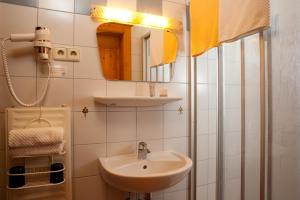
(232, 119)
(206, 124)
(105, 131)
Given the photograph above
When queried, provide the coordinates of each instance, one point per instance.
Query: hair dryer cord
(9, 82)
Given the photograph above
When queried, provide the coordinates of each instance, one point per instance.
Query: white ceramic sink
(159, 171)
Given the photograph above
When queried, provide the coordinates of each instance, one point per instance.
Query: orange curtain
(217, 21)
(204, 25)
(170, 47)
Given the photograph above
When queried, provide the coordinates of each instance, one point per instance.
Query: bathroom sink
(158, 171)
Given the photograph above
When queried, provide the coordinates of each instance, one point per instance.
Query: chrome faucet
(143, 151)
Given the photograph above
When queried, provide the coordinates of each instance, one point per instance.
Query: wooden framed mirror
(136, 53)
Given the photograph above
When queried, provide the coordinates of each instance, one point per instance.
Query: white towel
(31, 137)
(37, 150)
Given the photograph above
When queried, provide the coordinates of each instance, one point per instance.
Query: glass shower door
(229, 131)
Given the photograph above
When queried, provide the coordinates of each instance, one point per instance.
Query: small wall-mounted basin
(159, 171)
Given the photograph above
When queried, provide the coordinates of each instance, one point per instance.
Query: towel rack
(37, 167)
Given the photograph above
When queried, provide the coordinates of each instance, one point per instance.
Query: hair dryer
(42, 44)
(40, 39)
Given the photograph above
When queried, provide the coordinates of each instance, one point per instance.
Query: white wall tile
(5, 100)
(232, 167)
(60, 25)
(86, 157)
(179, 145)
(90, 129)
(92, 187)
(232, 143)
(22, 19)
(153, 7)
(232, 72)
(84, 92)
(21, 59)
(202, 69)
(202, 97)
(24, 87)
(89, 65)
(231, 51)
(213, 54)
(178, 195)
(120, 148)
(176, 90)
(121, 126)
(202, 172)
(212, 191)
(212, 90)
(175, 124)
(202, 193)
(232, 119)
(212, 146)
(123, 4)
(150, 125)
(212, 66)
(121, 88)
(19, 54)
(62, 5)
(85, 31)
(202, 122)
(212, 129)
(230, 191)
(232, 97)
(174, 10)
(202, 147)
(56, 94)
(212, 170)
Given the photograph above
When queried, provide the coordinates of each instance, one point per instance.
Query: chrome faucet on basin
(143, 151)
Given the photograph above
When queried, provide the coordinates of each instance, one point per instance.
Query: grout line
(106, 131)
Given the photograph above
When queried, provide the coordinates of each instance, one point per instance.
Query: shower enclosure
(231, 106)
(246, 114)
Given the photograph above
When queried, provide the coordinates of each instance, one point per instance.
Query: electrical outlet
(59, 53)
(73, 54)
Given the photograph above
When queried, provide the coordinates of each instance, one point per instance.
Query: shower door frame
(265, 121)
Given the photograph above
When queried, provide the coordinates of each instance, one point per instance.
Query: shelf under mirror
(139, 101)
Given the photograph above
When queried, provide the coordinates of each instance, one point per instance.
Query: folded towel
(37, 150)
(31, 137)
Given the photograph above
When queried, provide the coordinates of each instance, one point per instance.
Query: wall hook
(180, 110)
(85, 111)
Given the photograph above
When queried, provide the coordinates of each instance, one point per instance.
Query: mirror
(136, 53)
